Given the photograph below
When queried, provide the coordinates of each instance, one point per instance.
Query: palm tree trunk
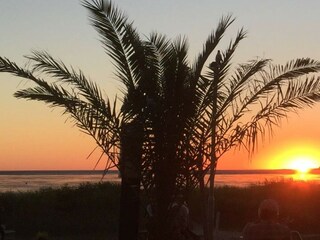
(131, 151)
(166, 169)
(204, 205)
(213, 160)
(165, 187)
(211, 203)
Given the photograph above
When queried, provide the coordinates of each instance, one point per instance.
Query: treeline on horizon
(90, 211)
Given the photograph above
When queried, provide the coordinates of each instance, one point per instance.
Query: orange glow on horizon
(299, 157)
(303, 164)
(303, 176)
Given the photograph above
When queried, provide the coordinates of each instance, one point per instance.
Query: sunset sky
(34, 136)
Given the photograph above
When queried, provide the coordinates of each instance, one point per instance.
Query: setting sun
(302, 164)
(297, 156)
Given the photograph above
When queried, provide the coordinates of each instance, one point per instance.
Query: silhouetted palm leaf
(100, 122)
(119, 39)
(211, 43)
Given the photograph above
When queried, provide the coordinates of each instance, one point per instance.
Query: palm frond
(55, 98)
(8, 66)
(293, 69)
(211, 43)
(161, 43)
(238, 83)
(297, 95)
(218, 71)
(102, 126)
(183, 70)
(209, 94)
(163, 52)
(45, 63)
(119, 39)
(211, 90)
(260, 90)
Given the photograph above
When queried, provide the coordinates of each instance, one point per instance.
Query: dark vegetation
(91, 211)
(299, 204)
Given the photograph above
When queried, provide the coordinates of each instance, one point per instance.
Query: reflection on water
(30, 182)
(247, 179)
(305, 176)
(26, 181)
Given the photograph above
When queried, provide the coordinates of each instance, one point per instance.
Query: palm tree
(240, 108)
(176, 119)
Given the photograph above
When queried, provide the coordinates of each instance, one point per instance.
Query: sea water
(34, 180)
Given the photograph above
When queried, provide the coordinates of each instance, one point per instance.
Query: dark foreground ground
(90, 211)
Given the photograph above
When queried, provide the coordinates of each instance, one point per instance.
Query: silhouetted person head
(179, 198)
(268, 228)
(268, 210)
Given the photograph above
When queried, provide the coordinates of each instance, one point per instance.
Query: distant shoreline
(55, 172)
(100, 172)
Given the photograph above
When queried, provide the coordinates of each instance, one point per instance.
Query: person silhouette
(179, 218)
(268, 227)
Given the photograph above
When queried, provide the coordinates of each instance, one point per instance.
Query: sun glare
(300, 157)
(302, 164)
